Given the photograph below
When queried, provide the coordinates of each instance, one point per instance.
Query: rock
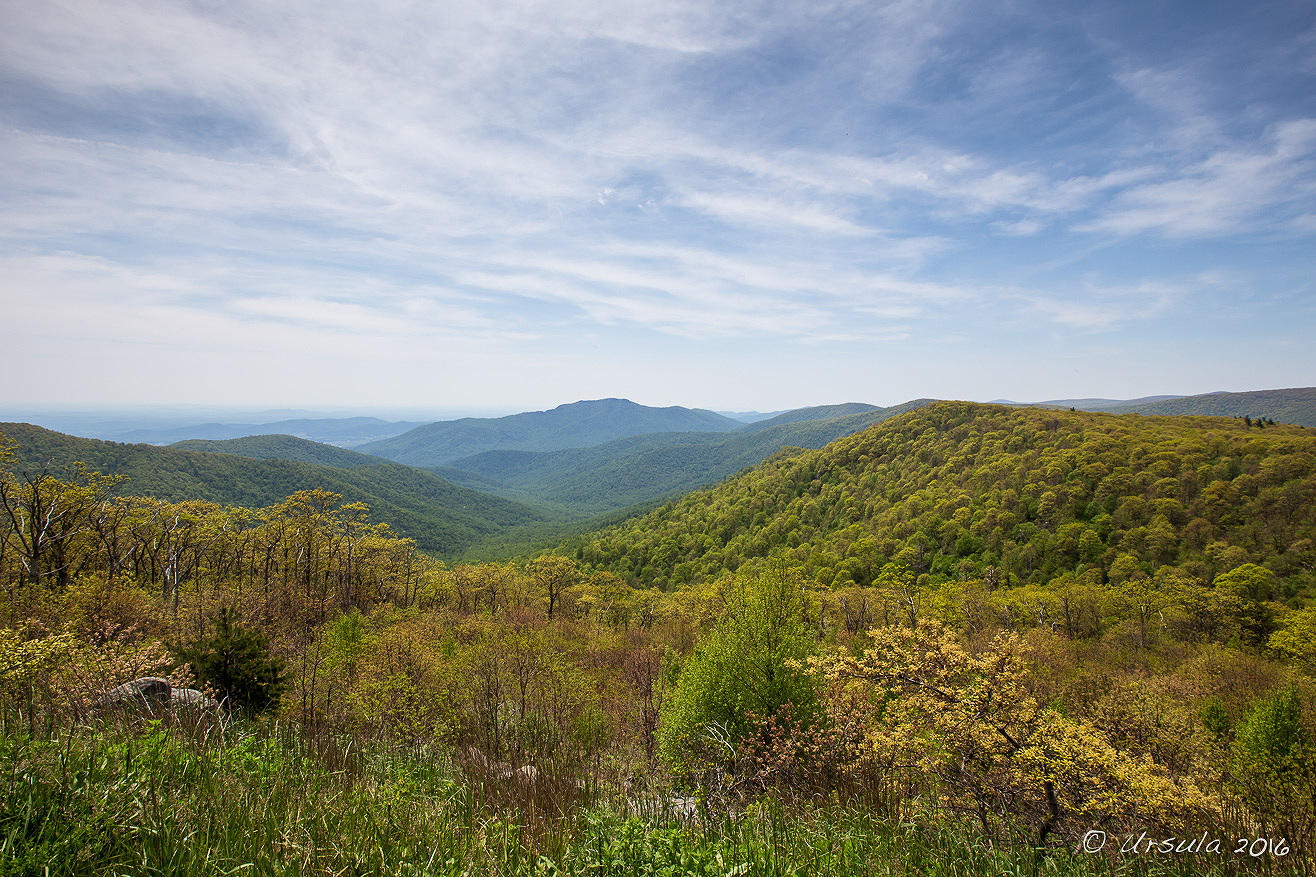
(153, 694)
(145, 693)
(503, 771)
(191, 699)
(684, 808)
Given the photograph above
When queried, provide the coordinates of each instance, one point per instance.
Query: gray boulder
(149, 693)
(155, 695)
(191, 699)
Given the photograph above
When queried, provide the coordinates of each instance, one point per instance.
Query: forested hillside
(1296, 406)
(1012, 495)
(442, 517)
(281, 447)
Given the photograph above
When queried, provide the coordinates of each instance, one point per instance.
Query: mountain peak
(580, 424)
(610, 402)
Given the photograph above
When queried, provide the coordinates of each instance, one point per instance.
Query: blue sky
(731, 205)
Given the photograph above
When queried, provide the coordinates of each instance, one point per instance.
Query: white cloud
(1229, 191)
(751, 211)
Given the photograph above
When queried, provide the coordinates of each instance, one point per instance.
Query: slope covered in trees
(1295, 406)
(281, 447)
(440, 516)
(1009, 495)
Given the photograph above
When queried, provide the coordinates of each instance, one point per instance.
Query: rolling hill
(442, 517)
(1296, 405)
(1019, 495)
(282, 447)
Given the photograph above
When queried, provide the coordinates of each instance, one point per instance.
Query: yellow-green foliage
(959, 490)
(27, 661)
(1295, 641)
(64, 671)
(963, 732)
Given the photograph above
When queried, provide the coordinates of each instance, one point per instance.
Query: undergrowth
(147, 798)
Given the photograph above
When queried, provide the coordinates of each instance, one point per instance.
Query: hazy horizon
(192, 414)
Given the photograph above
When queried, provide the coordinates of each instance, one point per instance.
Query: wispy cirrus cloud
(503, 178)
(1265, 187)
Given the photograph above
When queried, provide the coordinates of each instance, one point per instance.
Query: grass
(146, 798)
(152, 800)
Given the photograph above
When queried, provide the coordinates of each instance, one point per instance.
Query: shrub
(236, 663)
(750, 664)
(1275, 766)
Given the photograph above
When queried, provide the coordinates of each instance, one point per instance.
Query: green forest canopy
(958, 490)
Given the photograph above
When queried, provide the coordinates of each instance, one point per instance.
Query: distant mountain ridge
(574, 425)
(750, 416)
(1295, 405)
(606, 477)
(1102, 404)
(817, 412)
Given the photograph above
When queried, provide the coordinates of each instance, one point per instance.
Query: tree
(750, 664)
(1275, 766)
(237, 663)
(45, 514)
(553, 574)
(927, 710)
(8, 525)
(1253, 587)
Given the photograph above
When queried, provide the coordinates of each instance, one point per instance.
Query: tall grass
(146, 797)
(152, 799)
(844, 842)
